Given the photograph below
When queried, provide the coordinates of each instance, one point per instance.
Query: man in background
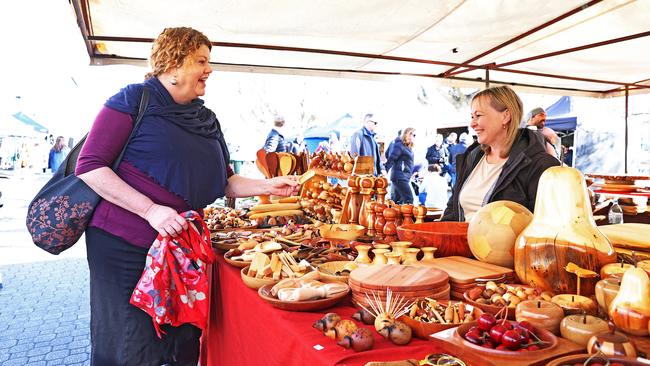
(437, 153)
(363, 142)
(536, 121)
(275, 139)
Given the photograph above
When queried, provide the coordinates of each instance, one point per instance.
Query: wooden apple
(542, 314)
(611, 269)
(575, 304)
(580, 328)
(606, 291)
(562, 230)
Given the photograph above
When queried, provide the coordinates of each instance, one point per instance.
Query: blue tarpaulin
(560, 117)
(22, 117)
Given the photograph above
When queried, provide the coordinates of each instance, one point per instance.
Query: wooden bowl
(238, 264)
(423, 330)
(225, 245)
(254, 282)
(543, 334)
(342, 231)
(449, 237)
(327, 270)
(492, 309)
(265, 294)
(581, 358)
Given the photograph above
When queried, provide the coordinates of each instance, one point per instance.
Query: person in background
(58, 153)
(438, 153)
(298, 144)
(177, 161)
(505, 163)
(363, 143)
(435, 187)
(332, 144)
(455, 150)
(400, 165)
(537, 121)
(568, 155)
(275, 140)
(392, 143)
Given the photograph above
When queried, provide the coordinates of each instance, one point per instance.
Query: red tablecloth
(244, 330)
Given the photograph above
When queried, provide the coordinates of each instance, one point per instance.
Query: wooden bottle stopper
(420, 212)
(390, 229)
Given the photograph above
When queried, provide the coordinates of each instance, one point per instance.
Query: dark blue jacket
(401, 162)
(363, 143)
(274, 142)
(437, 155)
(455, 150)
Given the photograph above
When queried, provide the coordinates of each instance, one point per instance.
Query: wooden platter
(448, 340)
(630, 236)
(398, 277)
(311, 305)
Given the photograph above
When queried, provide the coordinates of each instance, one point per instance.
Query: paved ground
(44, 312)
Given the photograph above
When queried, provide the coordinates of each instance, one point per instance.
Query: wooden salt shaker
(390, 229)
(419, 212)
(355, 200)
(407, 213)
(379, 219)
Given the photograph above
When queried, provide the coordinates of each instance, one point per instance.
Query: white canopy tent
(577, 47)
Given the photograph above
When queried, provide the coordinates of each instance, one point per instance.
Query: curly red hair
(172, 47)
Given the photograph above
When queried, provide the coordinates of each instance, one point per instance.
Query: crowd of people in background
(427, 181)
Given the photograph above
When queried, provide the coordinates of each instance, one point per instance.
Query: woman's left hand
(284, 186)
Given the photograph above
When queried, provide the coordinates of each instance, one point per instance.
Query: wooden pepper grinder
(407, 213)
(370, 216)
(366, 183)
(355, 200)
(390, 229)
(380, 186)
(419, 212)
(379, 219)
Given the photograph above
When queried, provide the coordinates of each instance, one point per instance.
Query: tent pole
(487, 78)
(627, 97)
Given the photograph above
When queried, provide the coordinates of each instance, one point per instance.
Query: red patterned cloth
(174, 286)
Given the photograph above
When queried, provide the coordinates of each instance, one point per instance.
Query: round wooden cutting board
(398, 277)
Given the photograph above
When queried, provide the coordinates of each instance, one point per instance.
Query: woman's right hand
(165, 220)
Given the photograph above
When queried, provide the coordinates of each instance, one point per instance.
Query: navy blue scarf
(180, 146)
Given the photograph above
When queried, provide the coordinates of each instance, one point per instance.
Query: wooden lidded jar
(563, 230)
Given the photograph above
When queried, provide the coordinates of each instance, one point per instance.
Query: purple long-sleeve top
(104, 143)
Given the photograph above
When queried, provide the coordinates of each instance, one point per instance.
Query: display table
(244, 330)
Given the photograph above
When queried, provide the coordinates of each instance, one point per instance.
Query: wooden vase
(562, 231)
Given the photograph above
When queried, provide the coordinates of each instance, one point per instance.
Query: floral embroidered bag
(173, 288)
(61, 210)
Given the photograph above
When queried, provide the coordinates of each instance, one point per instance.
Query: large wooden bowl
(449, 237)
(254, 282)
(311, 305)
(238, 264)
(424, 330)
(341, 231)
(581, 358)
(543, 334)
(328, 271)
(492, 309)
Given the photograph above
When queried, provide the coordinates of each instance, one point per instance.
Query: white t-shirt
(436, 188)
(477, 185)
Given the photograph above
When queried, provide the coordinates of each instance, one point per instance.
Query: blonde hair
(503, 98)
(405, 133)
(59, 144)
(172, 47)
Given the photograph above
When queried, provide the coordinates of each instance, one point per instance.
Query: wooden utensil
(272, 164)
(285, 163)
(464, 270)
(261, 162)
(306, 176)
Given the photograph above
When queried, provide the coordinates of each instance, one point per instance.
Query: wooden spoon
(261, 159)
(272, 164)
(285, 163)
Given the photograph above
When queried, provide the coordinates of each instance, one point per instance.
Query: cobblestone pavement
(44, 303)
(45, 314)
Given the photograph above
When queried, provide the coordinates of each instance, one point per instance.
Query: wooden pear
(630, 309)
(563, 230)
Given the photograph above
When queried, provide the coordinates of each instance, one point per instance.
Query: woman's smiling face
(194, 73)
(489, 123)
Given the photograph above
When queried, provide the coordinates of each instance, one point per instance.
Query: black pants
(120, 333)
(401, 193)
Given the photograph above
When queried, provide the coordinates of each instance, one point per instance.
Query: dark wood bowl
(310, 305)
(423, 330)
(449, 237)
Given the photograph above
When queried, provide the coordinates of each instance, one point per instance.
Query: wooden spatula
(261, 162)
(285, 162)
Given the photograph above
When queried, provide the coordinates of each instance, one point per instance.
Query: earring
(173, 80)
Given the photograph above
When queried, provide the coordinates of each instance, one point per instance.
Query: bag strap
(144, 102)
(71, 160)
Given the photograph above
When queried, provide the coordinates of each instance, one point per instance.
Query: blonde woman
(58, 153)
(400, 164)
(506, 161)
